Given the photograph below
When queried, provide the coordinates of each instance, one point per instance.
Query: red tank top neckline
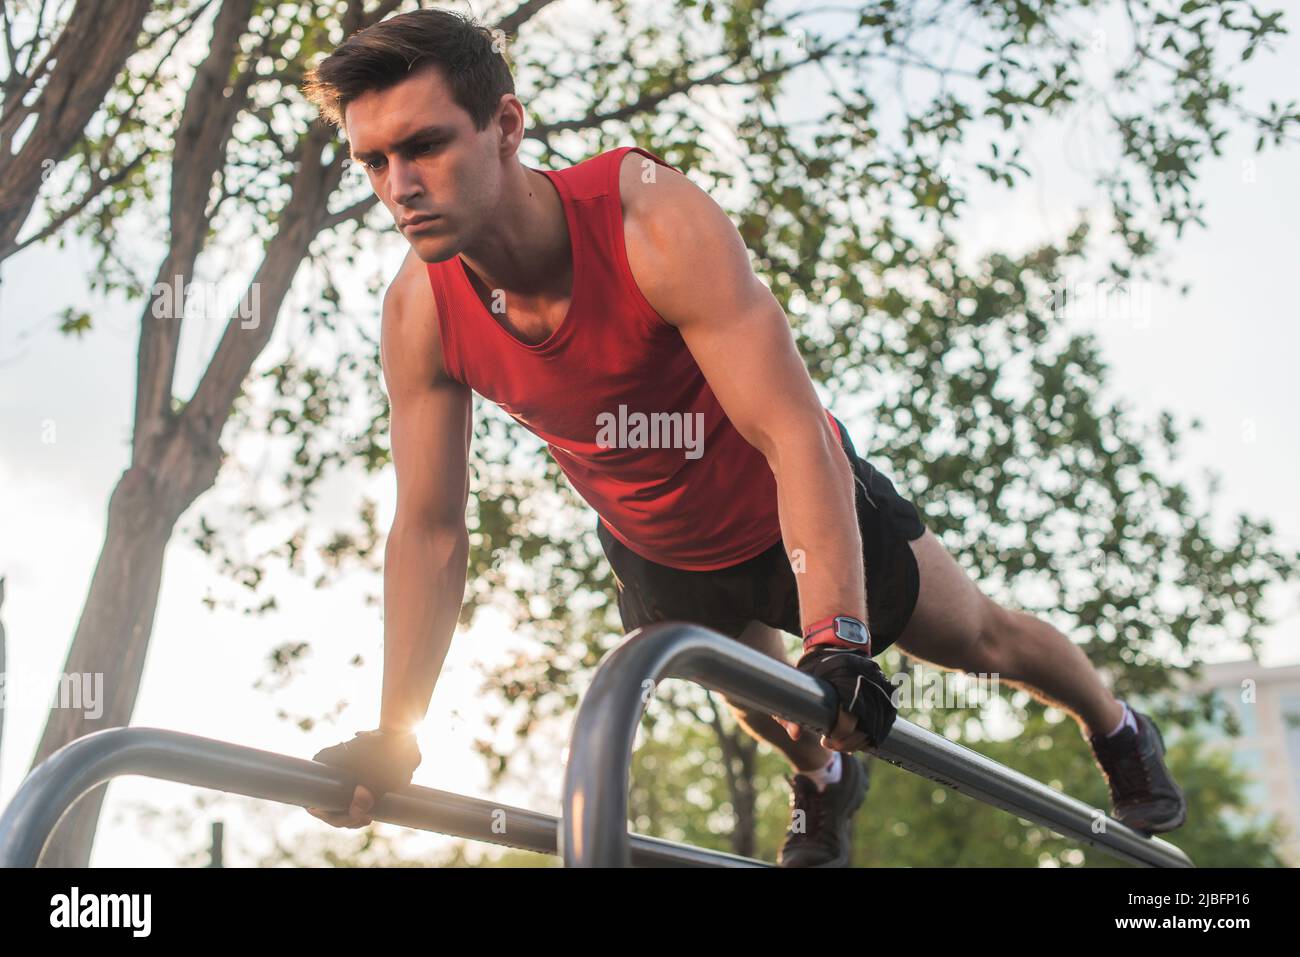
(552, 341)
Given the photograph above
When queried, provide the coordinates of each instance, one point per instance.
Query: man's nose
(404, 183)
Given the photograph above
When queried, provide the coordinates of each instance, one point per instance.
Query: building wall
(1266, 702)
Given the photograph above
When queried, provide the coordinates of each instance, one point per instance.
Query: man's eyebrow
(427, 132)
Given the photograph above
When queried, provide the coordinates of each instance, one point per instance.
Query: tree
(57, 85)
(175, 446)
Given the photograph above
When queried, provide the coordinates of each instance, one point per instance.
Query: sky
(1224, 354)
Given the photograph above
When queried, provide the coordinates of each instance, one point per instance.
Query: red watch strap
(822, 633)
(818, 626)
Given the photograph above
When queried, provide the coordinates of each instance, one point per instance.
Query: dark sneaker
(1143, 793)
(824, 838)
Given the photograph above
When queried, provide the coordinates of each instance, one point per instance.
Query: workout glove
(862, 688)
(381, 761)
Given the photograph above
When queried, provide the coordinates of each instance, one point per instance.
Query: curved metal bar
(594, 832)
(53, 787)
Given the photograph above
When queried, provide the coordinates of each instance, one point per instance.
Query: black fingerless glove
(861, 686)
(382, 761)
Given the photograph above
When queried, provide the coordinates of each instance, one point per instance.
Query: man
(588, 302)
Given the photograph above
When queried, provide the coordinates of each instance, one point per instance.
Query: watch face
(851, 630)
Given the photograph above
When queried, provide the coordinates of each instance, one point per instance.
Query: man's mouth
(418, 222)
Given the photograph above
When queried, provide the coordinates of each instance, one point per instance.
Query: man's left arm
(693, 268)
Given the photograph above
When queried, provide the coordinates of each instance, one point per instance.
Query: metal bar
(53, 787)
(594, 832)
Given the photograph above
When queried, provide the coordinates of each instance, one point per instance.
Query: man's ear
(510, 117)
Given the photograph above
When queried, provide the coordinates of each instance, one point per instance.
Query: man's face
(439, 176)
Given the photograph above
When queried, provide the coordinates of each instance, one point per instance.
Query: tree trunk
(112, 638)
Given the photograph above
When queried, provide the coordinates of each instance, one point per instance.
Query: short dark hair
(385, 53)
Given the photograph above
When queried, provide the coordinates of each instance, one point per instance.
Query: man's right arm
(431, 419)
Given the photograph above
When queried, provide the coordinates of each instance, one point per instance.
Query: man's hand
(845, 737)
(380, 761)
(866, 709)
(357, 815)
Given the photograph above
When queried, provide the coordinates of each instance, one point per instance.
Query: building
(1266, 701)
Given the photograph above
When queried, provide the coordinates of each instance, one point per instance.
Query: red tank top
(705, 498)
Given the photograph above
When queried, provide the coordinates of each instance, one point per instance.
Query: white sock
(1126, 721)
(827, 775)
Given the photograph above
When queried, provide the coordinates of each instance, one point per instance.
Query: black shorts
(763, 588)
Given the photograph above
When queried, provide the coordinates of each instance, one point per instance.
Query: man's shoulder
(670, 228)
(410, 311)
(410, 293)
(639, 175)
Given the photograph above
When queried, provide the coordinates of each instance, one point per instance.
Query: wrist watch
(838, 631)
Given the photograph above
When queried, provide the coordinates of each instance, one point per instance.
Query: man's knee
(771, 642)
(750, 717)
(739, 710)
(994, 646)
(766, 639)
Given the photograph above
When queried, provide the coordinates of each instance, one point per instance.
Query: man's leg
(821, 807)
(806, 754)
(955, 626)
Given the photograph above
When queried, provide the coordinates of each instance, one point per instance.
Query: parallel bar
(594, 832)
(81, 765)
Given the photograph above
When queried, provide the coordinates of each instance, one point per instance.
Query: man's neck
(525, 247)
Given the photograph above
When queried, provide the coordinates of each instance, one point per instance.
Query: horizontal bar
(594, 832)
(56, 784)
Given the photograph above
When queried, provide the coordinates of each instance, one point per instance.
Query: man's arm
(693, 268)
(428, 546)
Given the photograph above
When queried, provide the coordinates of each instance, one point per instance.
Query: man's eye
(418, 150)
